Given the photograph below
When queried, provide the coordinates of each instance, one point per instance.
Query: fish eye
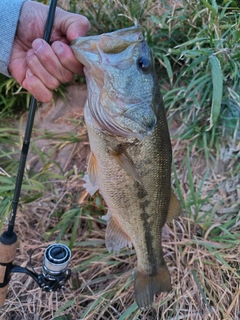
(144, 63)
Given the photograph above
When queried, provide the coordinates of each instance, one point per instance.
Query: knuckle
(31, 84)
(32, 60)
(52, 83)
(67, 76)
(45, 56)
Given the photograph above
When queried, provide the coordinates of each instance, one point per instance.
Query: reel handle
(8, 247)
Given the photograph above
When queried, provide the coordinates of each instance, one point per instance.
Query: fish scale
(131, 151)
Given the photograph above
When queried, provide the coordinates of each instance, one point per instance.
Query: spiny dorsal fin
(174, 209)
(146, 286)
(125, 162)
(115, 237)
(92, 169)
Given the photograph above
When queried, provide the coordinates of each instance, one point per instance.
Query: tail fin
(146, 286)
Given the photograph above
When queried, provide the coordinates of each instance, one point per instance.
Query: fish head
(121, 81)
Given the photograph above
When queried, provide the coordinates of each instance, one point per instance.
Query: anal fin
(174, 209)
(115, 237)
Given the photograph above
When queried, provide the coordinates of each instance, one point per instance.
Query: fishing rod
(56, 256)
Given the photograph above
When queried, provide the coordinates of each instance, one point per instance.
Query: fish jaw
(125, 106)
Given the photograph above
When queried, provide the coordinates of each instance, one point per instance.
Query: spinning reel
(56, 256)
(54, 269)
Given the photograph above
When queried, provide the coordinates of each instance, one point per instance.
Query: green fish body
(131, 151)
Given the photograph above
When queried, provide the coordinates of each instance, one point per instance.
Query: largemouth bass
(131, 153)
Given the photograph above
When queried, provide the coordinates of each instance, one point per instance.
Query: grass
(196, 49)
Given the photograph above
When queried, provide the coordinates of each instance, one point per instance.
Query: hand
(37, 66)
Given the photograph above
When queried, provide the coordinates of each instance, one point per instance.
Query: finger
(66, 57)
(35, 86)
(40, 72)
(50, 61)
(71, 25)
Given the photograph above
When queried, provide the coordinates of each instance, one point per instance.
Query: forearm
(9, 14)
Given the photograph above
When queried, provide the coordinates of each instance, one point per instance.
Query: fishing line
(56, 256)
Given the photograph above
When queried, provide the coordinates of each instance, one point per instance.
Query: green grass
(196, 50)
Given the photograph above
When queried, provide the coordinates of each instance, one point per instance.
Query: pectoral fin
(92, 169)
(91, 189)
(91, 178)
(126, 163)
(174, 209)
(115, 237)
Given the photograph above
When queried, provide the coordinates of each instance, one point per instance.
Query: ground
(202, 254)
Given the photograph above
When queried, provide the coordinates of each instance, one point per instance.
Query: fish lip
(80, 40)
(118, 33)
(106, 43)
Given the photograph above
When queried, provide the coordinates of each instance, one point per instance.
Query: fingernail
(29, 73)
(57, 47)
(37, 44)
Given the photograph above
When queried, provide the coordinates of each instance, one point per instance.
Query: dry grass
(202, 248)
(204, 286)
(205, 272)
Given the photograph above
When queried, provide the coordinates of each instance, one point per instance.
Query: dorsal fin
(174, 209)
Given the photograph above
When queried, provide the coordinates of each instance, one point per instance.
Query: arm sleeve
(9, 14)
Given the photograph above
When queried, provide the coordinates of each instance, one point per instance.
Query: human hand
(37, 66)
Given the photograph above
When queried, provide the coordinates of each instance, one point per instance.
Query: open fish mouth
(113, 75)
(111, 43)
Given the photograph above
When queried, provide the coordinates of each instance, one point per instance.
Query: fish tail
(146, 286)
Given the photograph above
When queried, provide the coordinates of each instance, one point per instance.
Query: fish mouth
(102, 56)
(97, 53)
(111, 43)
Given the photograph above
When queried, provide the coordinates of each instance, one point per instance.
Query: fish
(131, 153)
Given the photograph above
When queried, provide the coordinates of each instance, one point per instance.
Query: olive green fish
(131, 153)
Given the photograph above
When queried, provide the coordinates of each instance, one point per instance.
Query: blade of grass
(217, 80)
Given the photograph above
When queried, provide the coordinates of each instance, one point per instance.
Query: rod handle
(8, 247)
(3, 294)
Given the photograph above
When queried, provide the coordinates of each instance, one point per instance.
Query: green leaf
(65, 317)
(217, 81)
(235, 96)
(192, 41)
(133, 307)
(213, 9)
(67, 305)
(168, 68)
